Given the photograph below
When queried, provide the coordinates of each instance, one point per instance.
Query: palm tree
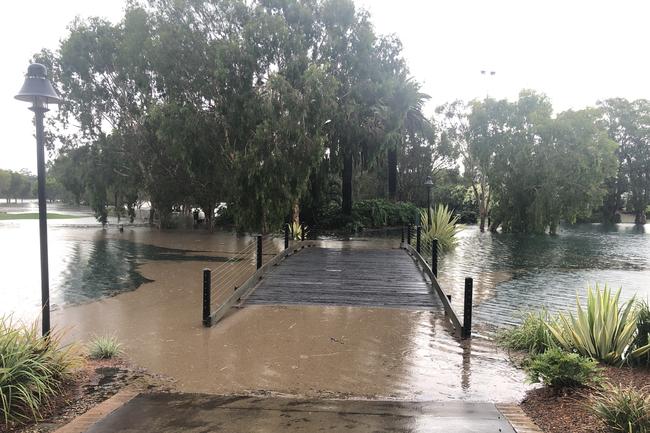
(402, 116)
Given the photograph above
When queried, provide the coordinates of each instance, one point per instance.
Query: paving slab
(200, 413)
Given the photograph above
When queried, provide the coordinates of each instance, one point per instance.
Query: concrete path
(194, 413)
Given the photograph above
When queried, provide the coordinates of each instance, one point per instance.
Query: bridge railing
(425, 252)
(233, 280)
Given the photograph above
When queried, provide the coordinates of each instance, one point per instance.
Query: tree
(475, 132)
(628, 124)
(547, 170)
(5, 181)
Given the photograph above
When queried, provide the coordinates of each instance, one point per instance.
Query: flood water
(517, 273)
(144, 286)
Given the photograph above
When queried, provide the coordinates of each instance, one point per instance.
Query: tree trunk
(295, 212)
(347, 185)
(640, 217)
(392, 174)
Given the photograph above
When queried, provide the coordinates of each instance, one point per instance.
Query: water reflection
(82, 268)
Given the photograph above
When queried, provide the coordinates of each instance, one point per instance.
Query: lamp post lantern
(38, 90)
(429, 184)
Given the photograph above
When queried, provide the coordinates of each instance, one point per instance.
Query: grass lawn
(34, 216)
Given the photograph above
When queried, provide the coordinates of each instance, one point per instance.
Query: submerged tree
(628, 124)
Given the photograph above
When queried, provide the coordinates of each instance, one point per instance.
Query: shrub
(604, 330)
(32, 370)
(374, 213)
(642, 332)
(623, 410)
(443, 227)
(296, 229)
(531, 335)
(104, 347)
(560, 369)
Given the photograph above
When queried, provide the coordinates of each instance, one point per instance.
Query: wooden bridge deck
(348, 277)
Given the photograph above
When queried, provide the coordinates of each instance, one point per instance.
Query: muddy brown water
(307, 351)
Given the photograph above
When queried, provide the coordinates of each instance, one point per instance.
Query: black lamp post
(429, 184)
(38, 90)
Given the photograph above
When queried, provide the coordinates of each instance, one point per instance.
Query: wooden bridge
(306, 273)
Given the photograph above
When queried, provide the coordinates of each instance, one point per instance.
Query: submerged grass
(33, 370)
(34, 216)
(104, 347)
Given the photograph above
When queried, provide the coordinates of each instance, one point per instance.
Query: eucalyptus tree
(549, 169)
(628, 123)
(475, 131)
(103, 74)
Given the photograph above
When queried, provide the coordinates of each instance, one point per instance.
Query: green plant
(296, 229)
(604, 330)
(531, 335)
(33, 369)
(443, 227)
(560, 369)
(623, 410)
(642, 337)
(104, 347)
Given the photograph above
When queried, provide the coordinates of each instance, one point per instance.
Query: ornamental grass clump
(104, 347)
(531, 335)
(33, 370)
(559, 369)
(443, 227)
(623, 410)
(603, 330)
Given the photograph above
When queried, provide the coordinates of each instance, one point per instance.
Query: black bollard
(207, 282)
(418, 237)
(402, 235)
(408, 234)
(259, 251)
(434, 257)
(286, 236)
(467, 308)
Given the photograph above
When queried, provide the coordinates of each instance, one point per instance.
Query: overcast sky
(575, 51)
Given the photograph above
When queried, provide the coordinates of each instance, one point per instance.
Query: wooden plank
(434, 282)
(360, 277)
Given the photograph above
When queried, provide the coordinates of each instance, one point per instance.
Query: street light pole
(38, 90)
(39, 114)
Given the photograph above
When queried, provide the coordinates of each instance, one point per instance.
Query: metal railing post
(286, 236)
(402, 234)
(259, 251)
(418, 236)
(302, 234)
(207, 289)
(467, 308)
(434, 257)
(408, 234)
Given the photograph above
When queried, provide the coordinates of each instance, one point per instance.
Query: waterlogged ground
(145, 287)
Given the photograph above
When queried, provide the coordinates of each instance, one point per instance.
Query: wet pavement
(194, 413)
